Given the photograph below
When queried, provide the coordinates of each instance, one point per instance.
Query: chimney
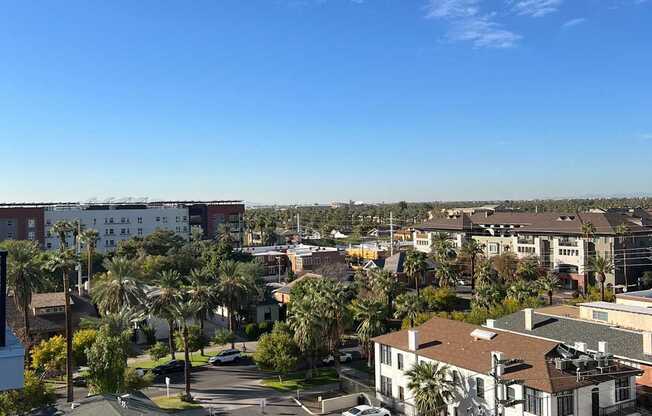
(529, 319)
(413, 340)
(498, 367)
(647, 343)
(491, 323)
(3, 297)
(580, 346)
(603, 347)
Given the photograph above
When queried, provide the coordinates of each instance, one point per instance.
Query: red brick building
(22, 223)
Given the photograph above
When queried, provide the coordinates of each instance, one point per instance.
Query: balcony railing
(568, 243)
(525, 240)
(620, 409)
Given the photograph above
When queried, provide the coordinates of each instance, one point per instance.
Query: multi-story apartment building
(116, 222)
(557, 239)
(503, 373)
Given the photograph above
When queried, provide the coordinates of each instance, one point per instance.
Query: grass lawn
(294, 381)
(195, 360)
(174, 403)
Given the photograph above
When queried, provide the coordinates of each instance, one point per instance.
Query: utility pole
(498, 367)
(79, 266)
(298, 227)
(391, 233)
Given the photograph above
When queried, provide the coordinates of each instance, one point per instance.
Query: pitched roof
(136, 404)
(48, 300)
(450, 342)
(605, 223)
(625, 344)
(396, 263)
(80, 307)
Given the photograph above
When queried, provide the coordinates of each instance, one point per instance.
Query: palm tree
(408, 306)
(232, 289)
(62, 229)
(588, 230)
(431, 387)
(442, 246)
(486, 274)
(446, 274)
(370, 315)
(307, 328)
(528, 268)
(472, 249)
(24, 276)
(521, 291)
(601, 266)
(90, 237)
(66, 261)
(488, 295)
(622, 231)
(547, 284)
(121, 286)
(204, 297)
(167, 293)
(183, 311)
(416, 265)
(385, 286)
(332, 308)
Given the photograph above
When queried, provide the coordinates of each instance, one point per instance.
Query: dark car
(174, 366)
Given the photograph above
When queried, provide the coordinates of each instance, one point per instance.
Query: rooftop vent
(482, 334)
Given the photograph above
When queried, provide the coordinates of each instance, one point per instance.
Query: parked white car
(364, 410)
(226, 356)
(345, 357)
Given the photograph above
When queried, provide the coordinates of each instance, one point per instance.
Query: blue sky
(318, 100)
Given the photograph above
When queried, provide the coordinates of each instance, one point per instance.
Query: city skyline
(315, 101)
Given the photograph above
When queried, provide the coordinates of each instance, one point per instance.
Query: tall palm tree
(416, 265)
(528, 268)
(408, 306)
(332, 307)
(547, 284)
(446, 274)
(431, 387)
(485, 274)
(232, 289)
(183, 311)
(442, 246)
(385, 286)
(472, 249)
(601, 266)
(65, 261)
(588, 230)
(204, 296)
(90, 238)
(121, 286)
(24, 276)
(167, 293)
(622, 231)
(370, 315)
(307, 328)
(62, 229)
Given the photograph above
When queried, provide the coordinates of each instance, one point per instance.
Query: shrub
(439, 299)
(264, 327)
(50, 355)
(647, 279)
(150, 334)
(134, 382)
(158, 351)
(223, 337)
(196, 340)
(82, 340)
(35, 394)
(251, 331)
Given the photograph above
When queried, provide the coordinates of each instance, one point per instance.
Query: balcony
(622, 409)
(567, 242)
(525, 240)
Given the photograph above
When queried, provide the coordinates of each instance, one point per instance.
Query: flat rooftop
(618, 307)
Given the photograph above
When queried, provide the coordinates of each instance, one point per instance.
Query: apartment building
(120, 221)
(12, 352)
(296, 257)
(503, 373)
(557, 239)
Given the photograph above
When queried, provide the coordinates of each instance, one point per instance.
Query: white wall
(122, 223)
(12, 358)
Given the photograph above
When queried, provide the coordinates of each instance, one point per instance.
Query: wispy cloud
(645, 136)
(468, 24)
(573, 22)
(535, 8)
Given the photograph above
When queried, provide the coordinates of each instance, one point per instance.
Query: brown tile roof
(450, 342)
(547, 222)
(48, 300)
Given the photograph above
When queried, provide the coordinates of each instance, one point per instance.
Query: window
(533, 401)
(565, 403)
(385, 355)
(10, 223)
(268, 314)
(165, 219)
(399, 361)
(31, 223)
(140, 220)
(401, 393)
(110, 231)
(622, 389)
(511, 393)
(386, 386)
(140, 231)
(178, 218)
(158, 219)
(456, 377)
(185, 218)
(49, 246)
(493, 248)
(600, 316)
(31, 235)
(111, 220)
(122, 220)
(479, 388)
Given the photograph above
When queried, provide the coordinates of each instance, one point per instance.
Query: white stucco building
(503, 373)
(116, 223)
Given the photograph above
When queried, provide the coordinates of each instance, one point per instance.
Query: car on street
(174, 366)
(364, 410)
(345, 357)
(226, 356)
